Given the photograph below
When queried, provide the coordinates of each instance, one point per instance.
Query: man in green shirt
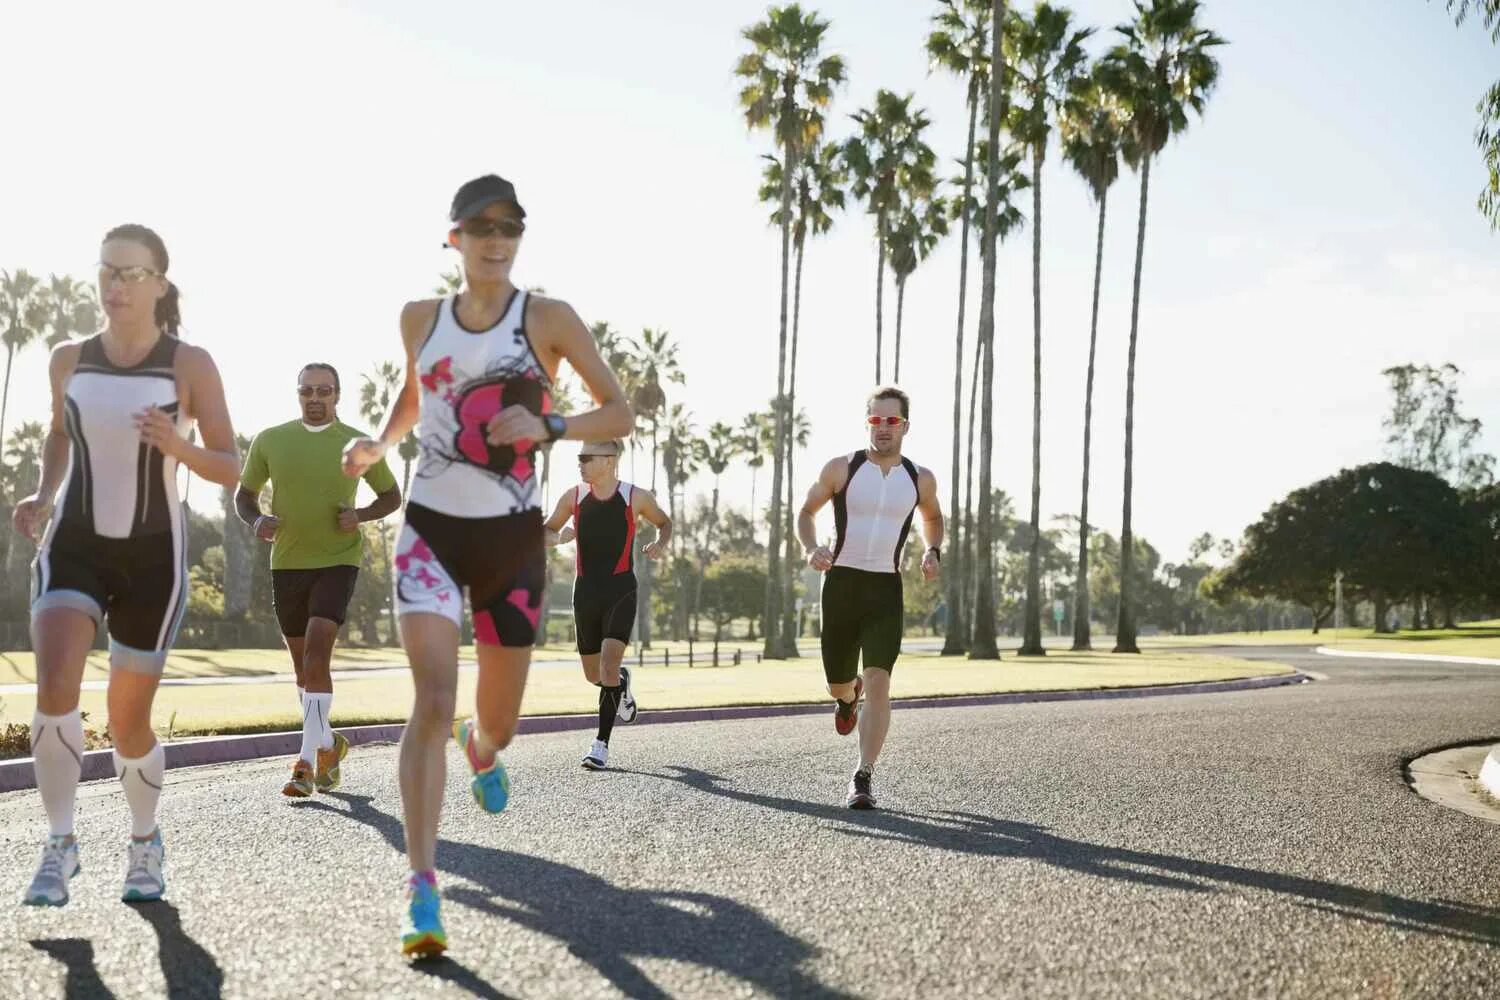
(313, 528)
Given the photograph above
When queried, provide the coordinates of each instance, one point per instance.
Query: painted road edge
(1473, 661)
(16, 775)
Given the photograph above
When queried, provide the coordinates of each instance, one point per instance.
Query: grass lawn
(1481, 639)
(553, 690)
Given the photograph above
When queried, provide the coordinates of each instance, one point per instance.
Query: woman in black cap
(479, 368)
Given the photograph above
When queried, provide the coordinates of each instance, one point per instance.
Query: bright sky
(1317, 226)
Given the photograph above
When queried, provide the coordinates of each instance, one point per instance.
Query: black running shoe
(860, 794)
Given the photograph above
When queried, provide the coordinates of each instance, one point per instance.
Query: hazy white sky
(1317, 226)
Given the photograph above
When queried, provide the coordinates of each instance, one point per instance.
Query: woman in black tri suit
(112, 543)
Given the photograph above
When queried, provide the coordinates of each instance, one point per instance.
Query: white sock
(57, 746)
(317, 734)
(142, 779)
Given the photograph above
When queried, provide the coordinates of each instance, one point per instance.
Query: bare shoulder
(65, 357)
(417, 319)
(193, 361)
(836, 471)
(641, 499)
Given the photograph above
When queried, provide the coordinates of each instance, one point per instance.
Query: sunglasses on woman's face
(309, 391)
(132, 275)
(483, 229)
(875, 421)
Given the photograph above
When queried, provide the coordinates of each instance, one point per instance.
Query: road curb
(18, 774)
(1459, 777)
(1473, 661)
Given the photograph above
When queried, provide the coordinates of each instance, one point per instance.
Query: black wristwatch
(556, 425)
(936, 550)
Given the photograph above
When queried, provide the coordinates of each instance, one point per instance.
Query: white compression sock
(57, 746)
(317, 734)
(142, 780)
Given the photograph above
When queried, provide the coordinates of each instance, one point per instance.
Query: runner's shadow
(464, 978)
(973, 833)
(609, 927)
(189, 969)
(82, 981)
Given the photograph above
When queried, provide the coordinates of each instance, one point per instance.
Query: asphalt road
(1257, 844)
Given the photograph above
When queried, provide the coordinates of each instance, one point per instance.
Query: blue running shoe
(490, 785)
(422, 934)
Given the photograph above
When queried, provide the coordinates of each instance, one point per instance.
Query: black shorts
(300, 594)
(603, 608)
(500, 561)
(862, 613)
(139, 586)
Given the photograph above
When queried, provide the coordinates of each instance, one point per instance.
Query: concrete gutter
(99, 764)
(1464, 777)
(1473, 661)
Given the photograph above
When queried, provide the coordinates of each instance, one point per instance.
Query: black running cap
(480, 193)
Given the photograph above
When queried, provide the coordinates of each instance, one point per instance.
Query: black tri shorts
(862, 614)
(300, 594)
(603, 608)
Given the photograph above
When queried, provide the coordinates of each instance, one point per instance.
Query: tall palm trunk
(770, 620)
(1031, 641)
(969, 567)
(643, 604)
(791, 622)
(879, 288)
(900, 308)
(956, 640)
(983, 647)
(10, 356)
(1125, 630)
(1082, 641)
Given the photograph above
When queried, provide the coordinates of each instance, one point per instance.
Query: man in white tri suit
(876, 492)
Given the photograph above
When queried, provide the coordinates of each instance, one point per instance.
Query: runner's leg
(431, 642)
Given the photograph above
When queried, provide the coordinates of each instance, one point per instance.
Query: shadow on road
(82, 981)
(971, 833)
(190, 971)
(606, 926)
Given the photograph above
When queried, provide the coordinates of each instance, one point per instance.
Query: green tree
(1487, 133)
(652, 366)
(1426, 428)
(757, 439)
(680, 462)
(798, 429)
(788, 83)
(378, 390)
(1046, 55)
(888, 159)
(733, 588)
(450, 282)
(1091, 146)
(1164, 69)
(24, 312)
(918, 224)
(959, 44)
(72, 309)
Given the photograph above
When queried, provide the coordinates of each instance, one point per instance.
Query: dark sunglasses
(321, 391)
(875, 421)
(584, 459)
(132, 275)
(482, 229)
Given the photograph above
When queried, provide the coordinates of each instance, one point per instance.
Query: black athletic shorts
(500, 561)
(603, 608)
(300, 594)
(138, 585)
(862, 613)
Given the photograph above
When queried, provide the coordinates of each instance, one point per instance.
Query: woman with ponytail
(112, 543)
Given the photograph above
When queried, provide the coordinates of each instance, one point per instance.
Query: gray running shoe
(144, 880)
(59, 864)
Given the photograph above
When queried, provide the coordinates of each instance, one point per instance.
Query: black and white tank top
(117, 486)
(872, 514)
(468, 376)
(605, 531)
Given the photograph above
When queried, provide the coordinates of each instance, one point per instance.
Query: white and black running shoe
(597, 759)
(627, 710)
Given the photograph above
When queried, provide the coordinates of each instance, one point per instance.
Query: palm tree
(72, 309)
(378, 390)
(1047, 58)
(679, 461)
(1164, 69)
(788, 83)
(959, 44)
(819, 187)
(1091, 145)
(24, 314)
(887, 158)
(653, 363)
(918, 225)
(1008, 219)
(757, 438)
(983, 646)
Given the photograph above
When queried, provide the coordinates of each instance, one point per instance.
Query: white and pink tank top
(468, 376)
